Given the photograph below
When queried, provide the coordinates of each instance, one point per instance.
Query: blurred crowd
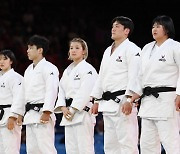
(21, 19)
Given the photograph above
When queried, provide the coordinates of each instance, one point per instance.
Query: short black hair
(9, 54)
(126, 22)
(39, 42)
(167, 23)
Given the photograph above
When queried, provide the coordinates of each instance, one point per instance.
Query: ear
(11, 62)
(40, 50)
(127, 30)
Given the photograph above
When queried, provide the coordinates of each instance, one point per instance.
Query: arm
(82, 96)
(61, 104)
(61, 97)
(51, 83)
(133, 62)
(177, 61)
(14, 118)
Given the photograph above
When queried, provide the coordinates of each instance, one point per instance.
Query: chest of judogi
(160, 68)
(10, 83)
(34, 83)
(114, 70)
(5, 90)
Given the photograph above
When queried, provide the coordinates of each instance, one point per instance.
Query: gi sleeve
(97, 90)
(18, 105)
(177, 61)
(82, 96)
(51, 76)
(61, 97)
(133, 60)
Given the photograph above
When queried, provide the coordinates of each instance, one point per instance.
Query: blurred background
(61, 20)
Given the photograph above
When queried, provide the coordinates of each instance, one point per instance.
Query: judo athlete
(158, 87)
(119, 67)
(73, 101)
(10, 83)
(37, 98)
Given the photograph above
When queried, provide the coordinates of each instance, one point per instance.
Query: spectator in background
(10, 83)
(73, 101)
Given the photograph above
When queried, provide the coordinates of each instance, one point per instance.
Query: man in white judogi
(39, 93)
(118, 68)
(160, 80)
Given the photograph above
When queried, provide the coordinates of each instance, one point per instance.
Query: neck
(116, 44)
(161, 41)
(4, 71)
(36, 61)
(77, 61)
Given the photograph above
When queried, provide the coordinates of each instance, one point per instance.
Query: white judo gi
(77, 83)
(40, 86)
(117, 72)
(160, 67)
(10, 140)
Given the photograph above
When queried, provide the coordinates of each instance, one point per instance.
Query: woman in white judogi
(75, 85)
(119, 67)
(160, 67)
(10, 82)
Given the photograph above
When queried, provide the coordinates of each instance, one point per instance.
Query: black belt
(112, 95)
(2, 110)
(147, 91)
(69, 101)
(35, 107)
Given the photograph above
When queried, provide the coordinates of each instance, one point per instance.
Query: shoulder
(148, 45)
(133, 45)
(15, 76)
(175, 43)
(30, 66)
(133, 48)
(87, 67)
(50, 66)
(108, 50)
(18, 75)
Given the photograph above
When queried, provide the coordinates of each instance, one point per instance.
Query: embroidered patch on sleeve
(137, 54)
(90, 72)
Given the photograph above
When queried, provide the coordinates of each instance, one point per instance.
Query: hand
(11, 123)
(177, 103)
(45, 117)
(19, 120)
(94, 108)
(72, 112)
(127, 108)
(134, 98)
(68, 112)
